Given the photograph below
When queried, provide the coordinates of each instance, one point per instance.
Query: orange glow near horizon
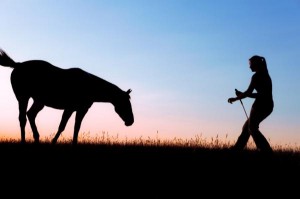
(101, 120)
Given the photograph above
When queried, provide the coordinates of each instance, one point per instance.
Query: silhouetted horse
(72, 90)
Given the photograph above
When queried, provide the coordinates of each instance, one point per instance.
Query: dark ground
(146, 172)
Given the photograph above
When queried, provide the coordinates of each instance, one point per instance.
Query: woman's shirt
(262, 83)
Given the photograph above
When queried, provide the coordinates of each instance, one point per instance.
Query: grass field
(150, 167)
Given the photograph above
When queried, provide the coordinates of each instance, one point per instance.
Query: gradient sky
(181, 58)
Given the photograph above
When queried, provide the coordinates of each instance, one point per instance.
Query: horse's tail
(5, 60)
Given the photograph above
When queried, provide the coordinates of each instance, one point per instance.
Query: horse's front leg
(78, 119)
(65, 117)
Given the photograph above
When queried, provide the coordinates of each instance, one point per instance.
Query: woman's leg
(243, 138)
(256, 117)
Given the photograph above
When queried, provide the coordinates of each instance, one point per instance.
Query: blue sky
(182, 59)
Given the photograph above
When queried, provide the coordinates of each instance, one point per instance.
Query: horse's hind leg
(23, 103)
(65, 117)
(32, 113)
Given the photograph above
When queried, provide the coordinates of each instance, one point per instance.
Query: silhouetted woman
(261, 108)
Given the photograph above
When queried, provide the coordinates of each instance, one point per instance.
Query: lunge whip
(236, 91)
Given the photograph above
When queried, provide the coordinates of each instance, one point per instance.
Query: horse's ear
(128, 91)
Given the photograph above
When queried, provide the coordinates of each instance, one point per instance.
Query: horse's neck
(108, 92)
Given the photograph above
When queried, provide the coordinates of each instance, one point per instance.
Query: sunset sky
(181, 58)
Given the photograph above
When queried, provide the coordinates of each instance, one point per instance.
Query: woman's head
(258, 63)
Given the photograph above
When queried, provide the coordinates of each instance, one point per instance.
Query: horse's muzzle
(129, 123)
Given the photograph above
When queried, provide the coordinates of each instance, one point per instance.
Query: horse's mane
(109, 84)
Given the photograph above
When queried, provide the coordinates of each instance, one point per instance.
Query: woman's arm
(247, 93)
(250, 89)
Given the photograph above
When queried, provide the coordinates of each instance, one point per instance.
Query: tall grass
(197, 142)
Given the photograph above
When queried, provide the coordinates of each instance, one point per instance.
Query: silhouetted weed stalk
(197, 142)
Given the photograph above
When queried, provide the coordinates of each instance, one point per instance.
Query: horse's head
(123, 107)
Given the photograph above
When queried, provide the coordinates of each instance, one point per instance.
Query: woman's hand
(237, 92)
(232, 99)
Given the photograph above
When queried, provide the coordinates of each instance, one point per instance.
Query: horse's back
(54, 86)
(33, 68)
(33, 73)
